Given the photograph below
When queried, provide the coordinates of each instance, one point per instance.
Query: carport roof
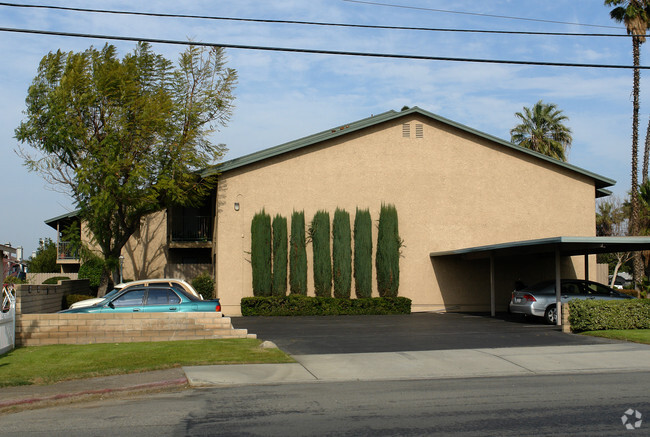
(567, 246)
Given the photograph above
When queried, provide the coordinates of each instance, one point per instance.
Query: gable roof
(601, 182)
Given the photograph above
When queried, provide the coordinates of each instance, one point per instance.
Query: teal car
(151, 299)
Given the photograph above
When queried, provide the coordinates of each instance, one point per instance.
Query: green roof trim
(601, 182)
(68, 216)
(566, 246)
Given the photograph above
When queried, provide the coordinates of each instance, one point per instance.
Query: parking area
(411, 332)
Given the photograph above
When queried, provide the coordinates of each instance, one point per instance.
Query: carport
(559, 246)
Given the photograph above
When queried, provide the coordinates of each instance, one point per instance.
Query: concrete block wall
(31, 299)
(38, 278)
(43, 329)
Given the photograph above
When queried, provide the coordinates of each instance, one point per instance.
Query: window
(162, 296)
(130, 298)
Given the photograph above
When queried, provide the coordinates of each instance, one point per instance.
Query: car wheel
(550, 316)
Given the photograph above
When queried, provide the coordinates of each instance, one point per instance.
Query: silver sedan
(539, 300)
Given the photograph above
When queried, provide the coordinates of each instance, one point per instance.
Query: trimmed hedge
(280, 256)
(298, 255)
(341, 254)
(74, 298)
(387, 257)
(319, 234)
(296, 305)
(55, 280)
(362, 253)
(596, 315)
(261, 253)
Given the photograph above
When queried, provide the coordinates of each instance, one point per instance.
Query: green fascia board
(600, 181)
(68, 216)
(566, 246)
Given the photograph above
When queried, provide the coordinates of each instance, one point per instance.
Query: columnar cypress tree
(319, 232)
(388, 252)
(298, 255)
(341, 254)
(362, 253)
(279, 256)
(261, 253)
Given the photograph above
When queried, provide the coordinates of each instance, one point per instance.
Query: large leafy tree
(611, 221)
(542, 129)
(45, 259)
(125, 137)
(635, 14)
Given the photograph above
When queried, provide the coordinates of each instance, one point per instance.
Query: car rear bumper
(528, 309)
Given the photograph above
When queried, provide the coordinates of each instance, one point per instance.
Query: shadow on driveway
(309, 335)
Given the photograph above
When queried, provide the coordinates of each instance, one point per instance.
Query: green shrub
(298, 255)
(595, 315)
(319, 234)
(55, 280)
(296, 305)
(261, 253)
(204, 285)
(389, 245)
(362, 253)
(92, 270)
(73, 298)
(279, 256)
(14, 280)
(341, 254)
(45, 259)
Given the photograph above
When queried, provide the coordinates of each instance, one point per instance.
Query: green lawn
(635, 335)
(49, 364)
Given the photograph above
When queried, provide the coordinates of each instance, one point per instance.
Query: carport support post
(586, 266)
(558, 298)
(493, 306)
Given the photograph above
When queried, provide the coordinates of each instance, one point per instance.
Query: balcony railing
(66, 250)
(197, 228)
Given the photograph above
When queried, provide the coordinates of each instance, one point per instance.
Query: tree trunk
(634, 215)
(646, 155)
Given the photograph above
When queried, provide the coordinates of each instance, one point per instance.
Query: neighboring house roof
(601, 182)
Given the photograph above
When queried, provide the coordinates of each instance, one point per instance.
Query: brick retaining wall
(43, 329)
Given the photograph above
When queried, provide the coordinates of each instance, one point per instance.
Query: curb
(153, 385)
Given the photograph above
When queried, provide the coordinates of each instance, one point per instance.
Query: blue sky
(285, 96)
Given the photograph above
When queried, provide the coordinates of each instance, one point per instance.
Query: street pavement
(388, 348)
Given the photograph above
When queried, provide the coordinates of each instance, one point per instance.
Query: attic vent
(419, 130)
(406, 130)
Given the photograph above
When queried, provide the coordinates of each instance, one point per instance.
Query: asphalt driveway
(412, 332)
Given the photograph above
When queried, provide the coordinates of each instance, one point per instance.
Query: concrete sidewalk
(465, 363)
(459, 363)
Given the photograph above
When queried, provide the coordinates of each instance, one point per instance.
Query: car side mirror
(110, 304)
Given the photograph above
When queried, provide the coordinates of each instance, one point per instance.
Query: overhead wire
(318, 51)
(477, 14)
(320, 23)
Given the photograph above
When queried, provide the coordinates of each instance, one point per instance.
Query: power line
(311, 23)
(477, 14)
(318, 51)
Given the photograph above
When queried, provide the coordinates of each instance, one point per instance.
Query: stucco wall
(451, 189)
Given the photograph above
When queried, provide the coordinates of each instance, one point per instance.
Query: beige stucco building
(453, 187)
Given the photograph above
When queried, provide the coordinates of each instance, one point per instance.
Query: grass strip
(50, 364)
(634, 335)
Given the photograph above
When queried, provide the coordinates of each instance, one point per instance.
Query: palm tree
(635, 15)
(542, 129)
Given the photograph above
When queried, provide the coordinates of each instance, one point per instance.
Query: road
(578, 404)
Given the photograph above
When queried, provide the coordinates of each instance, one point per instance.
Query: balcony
(191, 231)
(66, 252)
